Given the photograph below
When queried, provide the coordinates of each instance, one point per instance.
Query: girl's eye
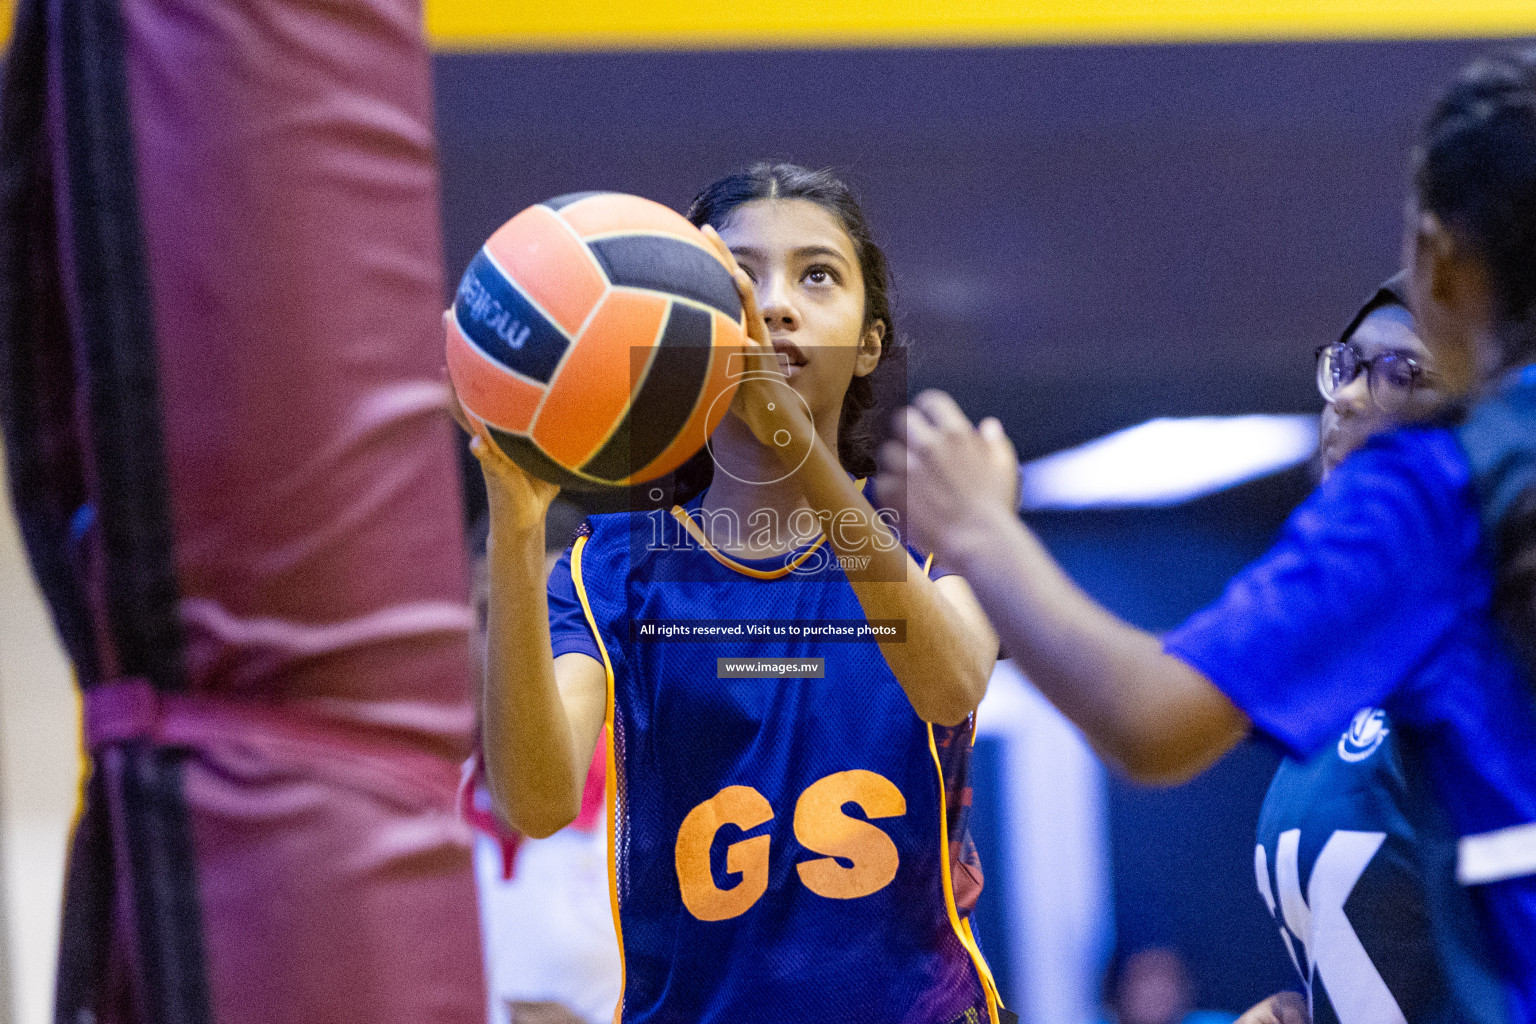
(821, 274)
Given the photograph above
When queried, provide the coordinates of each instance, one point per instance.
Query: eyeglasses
(1391, 378)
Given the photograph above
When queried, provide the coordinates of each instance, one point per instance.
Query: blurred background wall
(1096, 213)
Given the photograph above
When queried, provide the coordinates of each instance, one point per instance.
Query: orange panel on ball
(591, 391)
(488, 390)
(613, 213)
(708, 413)
(549, 265)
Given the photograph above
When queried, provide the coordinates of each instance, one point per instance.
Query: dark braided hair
(1475, 169)
(856, 430)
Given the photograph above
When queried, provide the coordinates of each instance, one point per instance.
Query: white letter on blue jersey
(1333, 950)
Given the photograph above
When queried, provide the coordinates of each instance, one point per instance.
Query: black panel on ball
(501, 322)
(531, 457)
(561, 202)
(670, 266)
(666, 397)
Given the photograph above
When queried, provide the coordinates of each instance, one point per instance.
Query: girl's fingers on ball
(490, 456)
(723, 250)
(757, 330)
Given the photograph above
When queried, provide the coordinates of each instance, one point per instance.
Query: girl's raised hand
(758, 401)
(512, 490)
(757, 330)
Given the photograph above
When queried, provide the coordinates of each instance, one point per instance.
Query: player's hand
(957, 481)
(776, 418)
(518, 499)
(1280, 1008)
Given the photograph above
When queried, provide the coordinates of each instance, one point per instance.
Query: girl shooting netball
(784, 848)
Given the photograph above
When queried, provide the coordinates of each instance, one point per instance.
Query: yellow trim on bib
(682, 516)
(611, 775)
(730, 563)
(962, 928)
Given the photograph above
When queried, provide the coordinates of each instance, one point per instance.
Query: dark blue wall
(1082, 236)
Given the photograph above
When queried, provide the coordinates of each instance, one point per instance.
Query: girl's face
(810, 289)
(1353, 415)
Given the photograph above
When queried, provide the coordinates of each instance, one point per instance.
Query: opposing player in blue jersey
(784, 849)
(1357, 824)
(1396, 585)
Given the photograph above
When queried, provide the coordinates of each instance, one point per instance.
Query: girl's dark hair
(1475, 169)
(856, 430)
(1391, 292)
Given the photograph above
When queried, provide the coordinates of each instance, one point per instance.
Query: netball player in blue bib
(1357, 825)
(784, 849)
(1398, 584)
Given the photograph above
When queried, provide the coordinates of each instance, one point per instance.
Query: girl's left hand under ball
(518, 499)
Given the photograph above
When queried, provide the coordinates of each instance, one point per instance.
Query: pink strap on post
(122, 710)
(364, 757)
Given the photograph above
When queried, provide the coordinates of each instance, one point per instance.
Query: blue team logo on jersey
(1367, 732)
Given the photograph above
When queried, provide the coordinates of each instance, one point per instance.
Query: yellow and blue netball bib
(782, 846)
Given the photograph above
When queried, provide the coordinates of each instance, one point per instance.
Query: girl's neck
(1495, 367)
(733, 499)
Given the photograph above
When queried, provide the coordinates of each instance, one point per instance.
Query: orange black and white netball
(591, 336)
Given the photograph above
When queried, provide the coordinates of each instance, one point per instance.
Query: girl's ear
(1438, 259)
(1453, 304)
(870, 345)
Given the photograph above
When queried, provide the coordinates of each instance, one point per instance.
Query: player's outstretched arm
(1159, 718)
(541, 716)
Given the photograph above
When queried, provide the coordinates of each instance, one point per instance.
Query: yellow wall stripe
(471, 25)
(726, 24)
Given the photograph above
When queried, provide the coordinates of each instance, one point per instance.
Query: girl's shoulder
(1430, 452)
(1416, 476)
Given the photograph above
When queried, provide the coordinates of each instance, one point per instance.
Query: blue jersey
(1357, 864)
(1379, 593)
(782, 848)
